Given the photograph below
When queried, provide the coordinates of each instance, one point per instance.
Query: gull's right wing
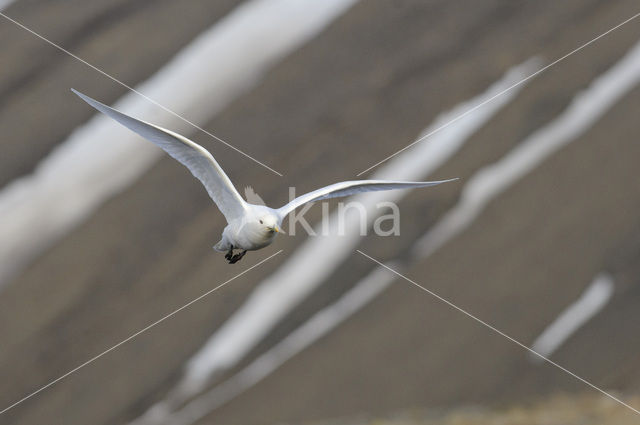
(193, 156)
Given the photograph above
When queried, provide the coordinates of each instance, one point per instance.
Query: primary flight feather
(249, 226)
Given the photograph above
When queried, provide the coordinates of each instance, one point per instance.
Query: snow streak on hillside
(594, 298)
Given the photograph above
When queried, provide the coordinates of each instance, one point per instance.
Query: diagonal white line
(447, 124)
(499, 332)
(124, 341)
(137, 92)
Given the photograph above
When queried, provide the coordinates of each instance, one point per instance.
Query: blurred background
(101, 234)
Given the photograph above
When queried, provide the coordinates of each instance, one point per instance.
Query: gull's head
(269, 222)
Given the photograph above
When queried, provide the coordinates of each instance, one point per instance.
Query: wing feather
(350, 188)
(193, 156)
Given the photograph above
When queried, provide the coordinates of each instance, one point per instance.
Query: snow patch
(592, 300)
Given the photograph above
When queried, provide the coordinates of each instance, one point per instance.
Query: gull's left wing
(350, 188)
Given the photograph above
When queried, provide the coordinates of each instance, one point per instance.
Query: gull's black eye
(261, 222)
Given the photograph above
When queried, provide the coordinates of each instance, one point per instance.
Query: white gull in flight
(250, 226)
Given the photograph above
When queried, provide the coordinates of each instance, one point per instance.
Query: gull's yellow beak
(278, 230)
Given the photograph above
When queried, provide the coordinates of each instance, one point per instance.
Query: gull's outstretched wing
(193, 156)
(252, 197)
(350, 188)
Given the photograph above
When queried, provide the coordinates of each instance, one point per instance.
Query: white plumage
(250, 226)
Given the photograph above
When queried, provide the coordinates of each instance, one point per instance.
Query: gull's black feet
(235, 258)
(229, 254)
